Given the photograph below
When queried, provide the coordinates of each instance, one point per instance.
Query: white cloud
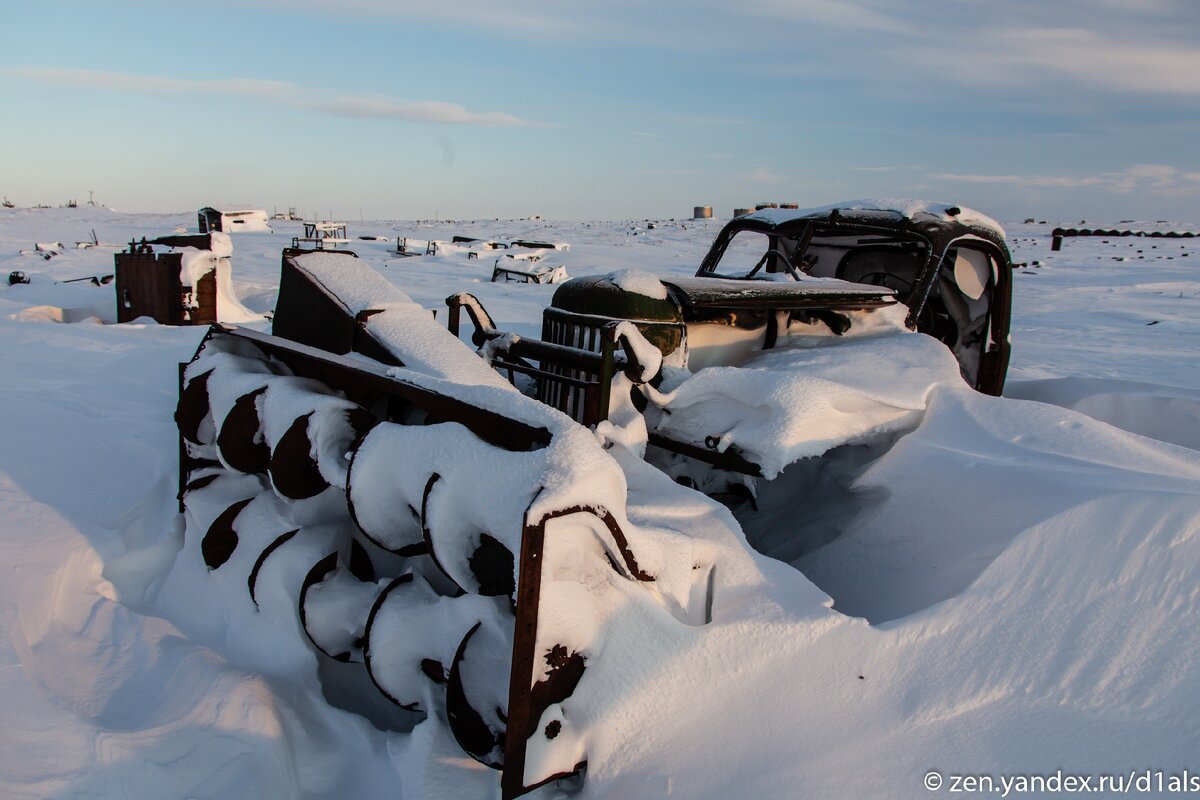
(280, 92)
(840, 14)
(1021, 180)
(764, 175)
(552, 16)
(692, 120)
(534, 16)
(1155, 178)
(1079, 56)
(890, 168)
(424, 111)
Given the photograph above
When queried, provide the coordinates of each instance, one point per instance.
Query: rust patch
(294, 472)
(221, 539)
(193, 408)
(240, 429)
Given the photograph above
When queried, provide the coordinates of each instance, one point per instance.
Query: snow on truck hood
(811, 394)
(714, 292)
(895, 208)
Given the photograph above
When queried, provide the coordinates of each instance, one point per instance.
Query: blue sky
(610, 110)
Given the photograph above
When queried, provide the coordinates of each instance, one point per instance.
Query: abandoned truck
(769, 277)
(950, 266)
(483, 559)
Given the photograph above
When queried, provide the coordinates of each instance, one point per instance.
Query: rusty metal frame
(148, 283)
(528, 701)
(561, 368)
(185, 459)
(366, 384)
(309, 313)
(730, 460)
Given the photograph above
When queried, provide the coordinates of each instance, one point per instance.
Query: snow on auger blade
(333, 597)
(418, 516)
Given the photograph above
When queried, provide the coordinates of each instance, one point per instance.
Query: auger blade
(334, 606)
(477, 692)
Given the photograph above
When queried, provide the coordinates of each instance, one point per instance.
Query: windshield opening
(760, 255)
(862, 256)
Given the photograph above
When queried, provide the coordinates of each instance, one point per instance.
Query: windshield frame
(792, 259)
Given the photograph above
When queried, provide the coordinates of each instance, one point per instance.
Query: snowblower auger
(415, 521)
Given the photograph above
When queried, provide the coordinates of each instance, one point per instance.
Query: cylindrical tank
(741, 212)
(761, 206)
(702, 212)
(789, 205)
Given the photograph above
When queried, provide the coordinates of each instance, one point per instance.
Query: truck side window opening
(965, 285)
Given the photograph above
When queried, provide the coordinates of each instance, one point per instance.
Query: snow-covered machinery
(490, 558)
(777, 272)
(417, 519)
(178, 280)
(770, 277)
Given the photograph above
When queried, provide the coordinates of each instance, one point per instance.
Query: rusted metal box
(149, 284)
(209, 219)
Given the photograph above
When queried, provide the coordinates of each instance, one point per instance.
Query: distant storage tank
(789, 205)
(741, 212)
(761, 206)
(702, 212)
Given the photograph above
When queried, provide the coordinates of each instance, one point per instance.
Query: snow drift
(1012, 586)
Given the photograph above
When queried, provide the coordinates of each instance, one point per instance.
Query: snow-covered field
(983, 586)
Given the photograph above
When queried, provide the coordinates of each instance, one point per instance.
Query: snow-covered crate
(210, 219)
(509, 271)
(160, 286)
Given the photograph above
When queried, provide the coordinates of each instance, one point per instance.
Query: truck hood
(811, 293)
